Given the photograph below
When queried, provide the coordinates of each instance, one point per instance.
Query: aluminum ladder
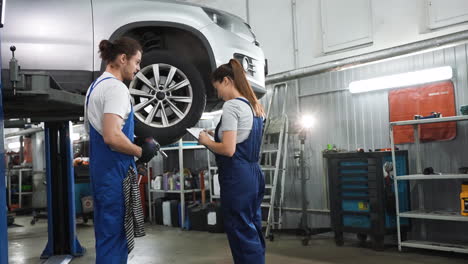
(274, 159)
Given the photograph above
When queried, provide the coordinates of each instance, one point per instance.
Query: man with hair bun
(109, 121)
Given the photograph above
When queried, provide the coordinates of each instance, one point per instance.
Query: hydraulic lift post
(3, 204)
(38, 96)
(63, 243)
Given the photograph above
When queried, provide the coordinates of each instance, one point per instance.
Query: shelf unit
(21, 170)
(180, 150)
(435, 215)
(423, 213)
(213, 170)
(432, 177)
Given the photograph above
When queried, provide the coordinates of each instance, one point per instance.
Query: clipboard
(195, 132)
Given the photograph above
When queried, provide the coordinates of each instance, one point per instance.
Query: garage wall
(272, 24)
(362, 121)
(301, 33)
(356, 121)
(392, 23)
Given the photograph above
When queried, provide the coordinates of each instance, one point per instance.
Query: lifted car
(182, 44)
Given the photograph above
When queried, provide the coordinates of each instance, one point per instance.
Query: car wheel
(168, 95)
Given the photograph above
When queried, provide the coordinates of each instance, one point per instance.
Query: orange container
(464, 199)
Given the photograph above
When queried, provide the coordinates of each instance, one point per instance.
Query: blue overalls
(108, 168)
(242, 188)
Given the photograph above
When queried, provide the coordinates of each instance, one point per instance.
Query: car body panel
(141, 11)
(225, 45)
(62, 37)
(43, 39)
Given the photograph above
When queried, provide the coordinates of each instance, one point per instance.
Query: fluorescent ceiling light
(402, 80)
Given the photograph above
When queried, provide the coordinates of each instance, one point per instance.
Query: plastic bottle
(158, 183)
(166, 182)
(216, 186)
(171, 183)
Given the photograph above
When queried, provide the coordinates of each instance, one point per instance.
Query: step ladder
(273, 159)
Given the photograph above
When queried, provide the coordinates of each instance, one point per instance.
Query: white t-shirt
(237, 116)
(110, 96)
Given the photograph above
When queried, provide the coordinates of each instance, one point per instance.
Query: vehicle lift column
(3, 204)
(63, 243)
(3, 215)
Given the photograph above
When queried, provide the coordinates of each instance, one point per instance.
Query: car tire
(176, 109)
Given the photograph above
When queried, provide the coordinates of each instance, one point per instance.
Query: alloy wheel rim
(162, 95)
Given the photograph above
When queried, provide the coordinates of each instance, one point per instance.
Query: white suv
(182, 44)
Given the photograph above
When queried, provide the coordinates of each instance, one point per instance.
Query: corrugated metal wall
(362, 121)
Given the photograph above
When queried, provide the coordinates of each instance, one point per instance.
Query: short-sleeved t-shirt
(111, 96)
(237, 116)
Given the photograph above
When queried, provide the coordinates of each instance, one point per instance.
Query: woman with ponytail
(237, 143)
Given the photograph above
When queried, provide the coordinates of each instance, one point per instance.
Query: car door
(51, 35)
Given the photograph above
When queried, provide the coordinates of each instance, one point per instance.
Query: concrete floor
(173, 246)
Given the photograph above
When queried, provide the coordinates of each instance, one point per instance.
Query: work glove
(141, 168)
(149, 149)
